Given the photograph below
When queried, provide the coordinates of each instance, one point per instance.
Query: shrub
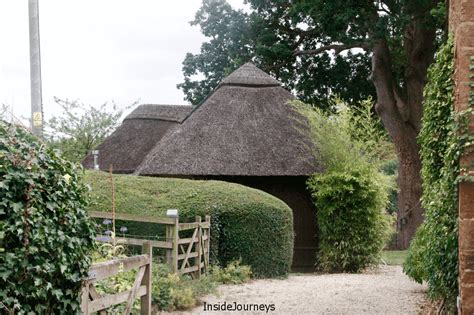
(45, 233)
(352, 226)
(174, 292)
(234, 273)
(246, 223)
(433, 255)
(352, 195)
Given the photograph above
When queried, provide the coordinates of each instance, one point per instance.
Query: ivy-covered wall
(433, 255)
(461, 18)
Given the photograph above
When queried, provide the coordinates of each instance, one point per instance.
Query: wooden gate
(93, 302)
(186, 255)
(193, 252)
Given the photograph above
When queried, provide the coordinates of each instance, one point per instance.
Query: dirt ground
(384, 290)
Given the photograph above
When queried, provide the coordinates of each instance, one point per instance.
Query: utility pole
(35, 70)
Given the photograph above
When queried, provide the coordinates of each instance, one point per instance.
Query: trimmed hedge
(247, 224)
(46, 236)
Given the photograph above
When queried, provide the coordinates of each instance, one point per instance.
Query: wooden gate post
(175, 231)
(145, 301)
(197, 260)
(85, 298)
(208, 243)
(169, 238)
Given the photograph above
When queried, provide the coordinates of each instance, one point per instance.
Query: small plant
(234, 273)
(174, 292)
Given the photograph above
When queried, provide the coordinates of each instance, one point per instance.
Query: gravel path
(385, 290)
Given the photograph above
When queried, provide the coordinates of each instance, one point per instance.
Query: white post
(95, 153)
(35, 70)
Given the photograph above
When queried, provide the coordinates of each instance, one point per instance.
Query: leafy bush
(234, 273)
(246, 223)
(433, 255)
(45, 233)
(174, 292)
(414, 265)
(352, 227)
(352, 195)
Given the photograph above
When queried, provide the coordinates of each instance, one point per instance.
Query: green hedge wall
(247, 224)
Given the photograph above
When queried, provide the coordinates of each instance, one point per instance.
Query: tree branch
(338, 48)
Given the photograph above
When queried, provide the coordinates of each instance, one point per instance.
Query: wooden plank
(135, 241)
(109, 268)
(191, 255)
(208, 244)
(197, 260)
(145, 301)
(95, 296)
(205, 237)
(131, 217)
(93, 293)
(187, 240)
(113, 299)
(174, 255)
(188, 226)
(169, 236)
(205, 225)
(206, 256)
(189, 269)
(85, 298)
(133, 291)
(190, 247)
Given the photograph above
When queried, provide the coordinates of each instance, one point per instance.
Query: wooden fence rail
(183, 254)
(93, 302)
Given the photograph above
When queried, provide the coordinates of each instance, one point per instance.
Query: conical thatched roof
(126, 147)
(245, 127)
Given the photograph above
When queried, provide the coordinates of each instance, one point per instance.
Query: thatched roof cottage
(244, 132)
(139, 132)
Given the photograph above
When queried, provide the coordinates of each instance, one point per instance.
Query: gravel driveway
(385, 290)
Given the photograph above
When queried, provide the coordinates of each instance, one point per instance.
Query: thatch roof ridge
(176, 113)
(250, 76)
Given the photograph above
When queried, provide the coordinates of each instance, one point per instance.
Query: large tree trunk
(401, 111)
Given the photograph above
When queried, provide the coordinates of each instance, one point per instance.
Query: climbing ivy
(45, 233)
(433, 255)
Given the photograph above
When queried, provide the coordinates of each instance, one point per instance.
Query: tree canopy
(318, 48)
(80, 128)
(237, 37)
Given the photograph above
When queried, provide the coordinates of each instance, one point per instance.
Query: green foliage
(174, 292)
(365, 127)
(274, 35)
(246, 223)
(234, 273)
(80, 128)
(415, 264)
(350, 136)
(170, 291)
(269, 38)
(433, 255)
(46, 235)
(351, 196)
(352, 227)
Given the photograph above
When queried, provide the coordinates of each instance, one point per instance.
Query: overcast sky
(99, 51)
